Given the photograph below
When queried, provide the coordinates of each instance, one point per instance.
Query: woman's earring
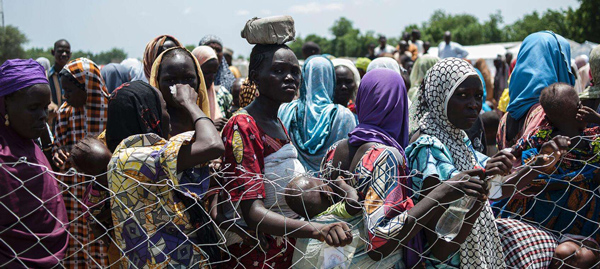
(6, 122)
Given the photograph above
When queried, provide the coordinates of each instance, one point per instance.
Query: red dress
(246, 147)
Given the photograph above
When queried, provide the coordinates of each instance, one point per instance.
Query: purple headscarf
(382, 108)
(34, 219)
(17, 74)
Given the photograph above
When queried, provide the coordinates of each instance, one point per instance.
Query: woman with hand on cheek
(178, 66)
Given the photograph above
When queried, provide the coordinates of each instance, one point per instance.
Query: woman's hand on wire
(552, 151)
(500, 164)
(469, 183)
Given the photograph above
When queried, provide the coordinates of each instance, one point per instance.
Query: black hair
(311, 48)
(490, 118)
(259, 53)
(552, 103)
(61, 41)
(83, 150)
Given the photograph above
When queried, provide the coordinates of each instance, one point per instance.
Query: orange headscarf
(75, 123)
(151, 51)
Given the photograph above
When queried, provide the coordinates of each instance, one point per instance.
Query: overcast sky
(129, 24)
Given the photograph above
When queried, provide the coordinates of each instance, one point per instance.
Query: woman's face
(27, 110)
(209, 70)
(278, 76)
(344, 85)
(74, 94)
(218, 49)
(465, 103)
(176, 68)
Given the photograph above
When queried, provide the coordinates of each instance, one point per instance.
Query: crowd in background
(194, 165)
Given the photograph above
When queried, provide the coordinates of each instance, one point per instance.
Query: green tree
(296, 46)
(11, 43)
(345, 41)
(584, 21)
(323, 43)
(190, 47)
(465, 28)
(492, 33)
(552, 20)
(115, 55)
(35, 53)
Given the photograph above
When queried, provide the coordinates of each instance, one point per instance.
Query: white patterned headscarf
(431, 109)
(482, 248)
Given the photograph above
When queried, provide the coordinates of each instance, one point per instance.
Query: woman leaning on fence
(33, 216)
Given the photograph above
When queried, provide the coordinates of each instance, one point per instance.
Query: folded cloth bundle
(270, 30)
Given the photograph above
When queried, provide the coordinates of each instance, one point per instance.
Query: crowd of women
(175, 161)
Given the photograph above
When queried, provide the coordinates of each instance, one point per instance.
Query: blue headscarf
(314, 121)
(114, 75)
(484, 106)
(544, 59)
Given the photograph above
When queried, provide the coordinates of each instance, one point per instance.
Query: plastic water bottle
(452, 220)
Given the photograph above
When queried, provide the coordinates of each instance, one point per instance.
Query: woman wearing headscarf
(83, 114)
(384, 62)
(448, 105)
(389, 63)
(114, 75)
(347, 80)
(543, 60)
(178, 66)
(159, 182)
(481, 65)
(224, 77)
(33, 212)
(361, 64)
(219, 99)
(154, 48)
(391, 219)
(422, 65)
(261, 161)
(314, 121)
(136, 69)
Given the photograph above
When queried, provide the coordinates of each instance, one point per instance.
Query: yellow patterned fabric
(152, 224)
